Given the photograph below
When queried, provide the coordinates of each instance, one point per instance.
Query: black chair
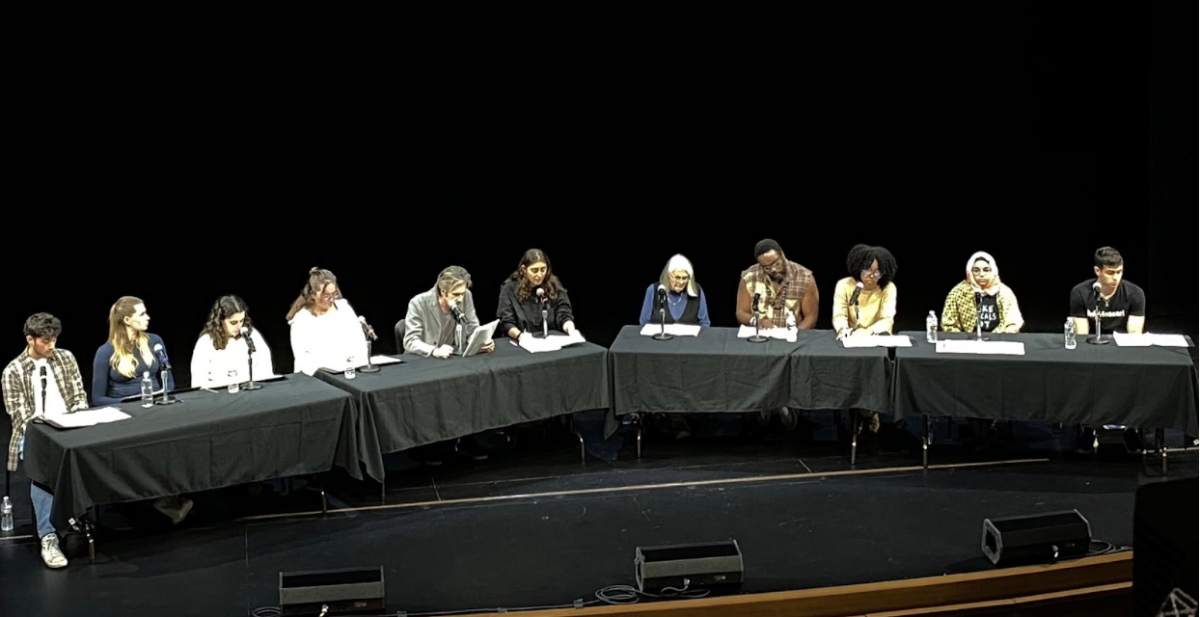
(399, 330)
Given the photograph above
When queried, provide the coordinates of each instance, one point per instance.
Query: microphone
(541, 294)
(662, 294)
(249, 339)
(368, 331)
(458, 313)
(1096, 289)
(754, 306)
(162, 355)
(857, 290)
(43, 371)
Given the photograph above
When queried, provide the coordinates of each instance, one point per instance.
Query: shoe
(51, 553)
(174, 508)
(1085, 440)
(874, 425)
(788, 418)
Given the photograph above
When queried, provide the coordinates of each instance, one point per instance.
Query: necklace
(675, 302)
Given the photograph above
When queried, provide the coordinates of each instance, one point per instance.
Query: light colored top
(427, 327)
(876, 309)
(329, 340)
(212, 367)
(55, 404)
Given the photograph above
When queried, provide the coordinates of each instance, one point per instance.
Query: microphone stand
(1097, 338)
(250, 365)
(757, 338)
(662, 315)
(545, 321)
(162, 377)
(978, 315)
(369, 368)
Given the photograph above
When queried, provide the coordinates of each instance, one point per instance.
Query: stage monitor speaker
(1164, 548)
(349, 591)
(715, 566)
(1036, 538)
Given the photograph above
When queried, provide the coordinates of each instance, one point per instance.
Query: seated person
(686, 303)
(439, 322)
(1122, 307)
(785, 289)
(119, 365)
(874, 311)
(41, 373)
(531, 289)
(998, 310)
(222, 355)
(325, 330)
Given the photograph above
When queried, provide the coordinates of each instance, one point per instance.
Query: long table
(1142, 387)
(427, 400)
(718, 372)
(293, 426)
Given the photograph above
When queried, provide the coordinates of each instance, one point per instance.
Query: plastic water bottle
(147, 390)
(6, 517)
(1069, 334)
(931, 328)
(349, 373)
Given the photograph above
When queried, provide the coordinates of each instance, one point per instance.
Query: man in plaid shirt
(42, 381)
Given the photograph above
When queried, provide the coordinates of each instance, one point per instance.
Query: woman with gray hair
(685, 302)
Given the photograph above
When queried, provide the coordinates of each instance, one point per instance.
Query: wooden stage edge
(1102, 578)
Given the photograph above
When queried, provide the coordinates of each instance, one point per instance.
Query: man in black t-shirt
(1122, 307)
(1122, 304)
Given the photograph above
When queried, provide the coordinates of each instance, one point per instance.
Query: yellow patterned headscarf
(995, 288)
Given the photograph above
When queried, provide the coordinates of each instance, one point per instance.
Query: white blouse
(327, 341)
(212, 367)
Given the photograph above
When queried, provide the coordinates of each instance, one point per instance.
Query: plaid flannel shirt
(789, 295)
(19, 392)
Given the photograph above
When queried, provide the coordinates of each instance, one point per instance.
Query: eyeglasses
(682, 279)
(337, 295)
(871, 273)
(983, 271)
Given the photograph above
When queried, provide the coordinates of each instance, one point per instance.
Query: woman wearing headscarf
(982, 299)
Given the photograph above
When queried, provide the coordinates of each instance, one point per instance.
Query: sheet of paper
(480, 337)
(782, 334)
(984, 348)
(880, 340)
(554, 342)
(675, 329)
(382, 360)
(87, 417)
(1147, 340)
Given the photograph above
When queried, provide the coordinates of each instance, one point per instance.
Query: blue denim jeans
(42, 501)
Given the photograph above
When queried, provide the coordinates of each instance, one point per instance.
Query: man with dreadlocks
(782, 287)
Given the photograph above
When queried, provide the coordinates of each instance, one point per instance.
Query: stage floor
(534, 527)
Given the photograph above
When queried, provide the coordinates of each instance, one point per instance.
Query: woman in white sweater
(223, 353)
(325, 330)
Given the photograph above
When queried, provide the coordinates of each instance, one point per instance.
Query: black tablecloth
(1142, 387)
(825, 375)
(426, 400)
(293, 426)
(713, 372)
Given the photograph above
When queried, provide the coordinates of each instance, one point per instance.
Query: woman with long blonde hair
(131, 352)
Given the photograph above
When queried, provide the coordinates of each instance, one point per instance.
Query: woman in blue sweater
(130, 352)
(118, 368)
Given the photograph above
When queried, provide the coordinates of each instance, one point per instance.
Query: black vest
(691, 312)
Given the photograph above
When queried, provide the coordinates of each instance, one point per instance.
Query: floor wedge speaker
(713, 566)
(350, 591)
(1036, 538)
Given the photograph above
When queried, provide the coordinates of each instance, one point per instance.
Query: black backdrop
(1037, 134)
